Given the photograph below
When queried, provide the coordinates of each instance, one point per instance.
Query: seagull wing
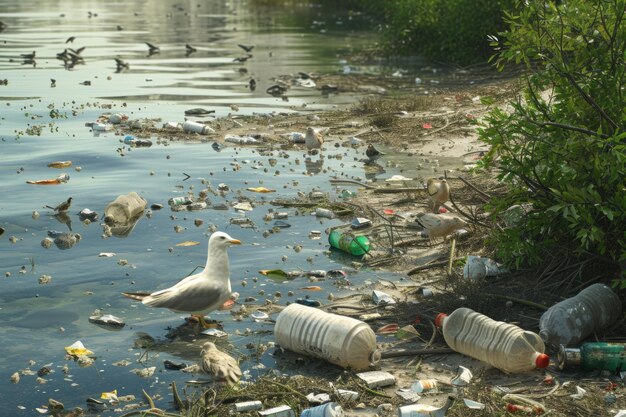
(433, 186)
(221, 366)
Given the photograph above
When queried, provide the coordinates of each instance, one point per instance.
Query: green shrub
(562, 146)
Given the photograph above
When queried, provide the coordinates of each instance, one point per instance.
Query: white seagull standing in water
(200, 293)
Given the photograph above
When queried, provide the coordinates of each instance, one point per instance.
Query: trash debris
(60, 164)
(580, 393)
(594, 355)
(87, 214)
(376, 379)
(280, 411)
(15, 378)
(474, 405)
(511, 349)
(530, 406)
(245, 206)
(477, 268)
(175, 366)
(318, 398)
(388, 329)
(331, 409)
(344, 341)
(407, 332)
(179, 201)
(144, 372)
(214, 333)
(61, 179)
(78, 349)
(65, 240)
(463, 377)
(360, 223)
(321, 212)
(308, 302)
(425, 410)
(260, 190)
(188, 243)
(369, 316)
(379, 297)
(106, 254)
(240, 140)
(357, 245)
(259, 316)
(398, 178)
(121, 215)
(424, 385)
(196, 127)
(107, 320)
(248, 406)
(408, 394)
(572, 320)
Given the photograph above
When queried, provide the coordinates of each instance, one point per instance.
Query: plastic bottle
(124, 209)
(347, 242)
(425, 410)
(425, 385)
(573, 319)
(196, 127)
(502, 345)
(341, 340)
(594, 355)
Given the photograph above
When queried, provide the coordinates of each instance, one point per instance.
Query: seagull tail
(139, 296)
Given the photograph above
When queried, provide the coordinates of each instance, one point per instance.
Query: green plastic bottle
(347, 242)
(594, 355)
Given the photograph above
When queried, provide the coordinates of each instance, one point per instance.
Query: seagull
(200, 293)
(70, 39)
(440, 225)
(190, 49)
(152, 49)
(63, 207)
(246, 48)
(219, 365)
(439, 192)
(28, 56)
(312, 139)
(121, 65)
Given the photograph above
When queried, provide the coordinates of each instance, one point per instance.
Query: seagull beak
(235, 241)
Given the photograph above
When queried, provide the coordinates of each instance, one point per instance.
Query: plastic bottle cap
(542, 361)
(439, 319)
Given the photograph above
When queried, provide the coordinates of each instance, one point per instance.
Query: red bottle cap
(439, 319)
(542, 361)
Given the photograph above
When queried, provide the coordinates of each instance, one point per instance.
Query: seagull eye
(222, 237)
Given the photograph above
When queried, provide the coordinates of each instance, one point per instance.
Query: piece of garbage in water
(259, 316)
(360, 222)
(214, 333)
(477, 267)
(144, 372)
(388, 329)
(379, 297)
(107, 320)
(60, 164)
(318, 398)
(245, 206)
(61, 179)
(408, 394)
(308, 302)
(260, 190)
(463, 377)
(106, 254)
(355, 141)
(423, 385)
(77, 349)
(109, 396)
(347, 394)
(240, 139)
(532, 405)
(280, 411)
(398, 178)
(87, 214)
(369, 316)
(620, 413)
(474, 405)
(296, 137)
(580, 393)
(375, 379)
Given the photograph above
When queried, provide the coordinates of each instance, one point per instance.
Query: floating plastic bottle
(502, 345)
(594, 355)
(347, 242)
(341, 340)
(196, 127)
(573, 319)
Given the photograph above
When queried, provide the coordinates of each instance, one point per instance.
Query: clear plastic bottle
(573, 319)
(347, 242)
(502, 345)
(124, 208)
(341, 340)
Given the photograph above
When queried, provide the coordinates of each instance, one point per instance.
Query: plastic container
(343, 341)
(196, 127)
(354, 244)
(179, 201)
(573, 319)
(425, 385)
(325, 410)
(502, 345)
(124, 209)
(425, 410)
(595, 355)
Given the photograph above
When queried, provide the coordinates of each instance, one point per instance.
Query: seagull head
(208, 346)
(221, 239)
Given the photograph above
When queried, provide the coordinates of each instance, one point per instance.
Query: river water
(37, 321)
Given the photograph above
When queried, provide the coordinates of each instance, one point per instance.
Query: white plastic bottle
(502, 345)
(573, 319)
(344, 341)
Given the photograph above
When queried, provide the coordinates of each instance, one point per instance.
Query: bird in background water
(200, 293)
(372, 153)
(63, 207)
(439, 225)
(438, 191)
(219, 365)
(312, 139)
